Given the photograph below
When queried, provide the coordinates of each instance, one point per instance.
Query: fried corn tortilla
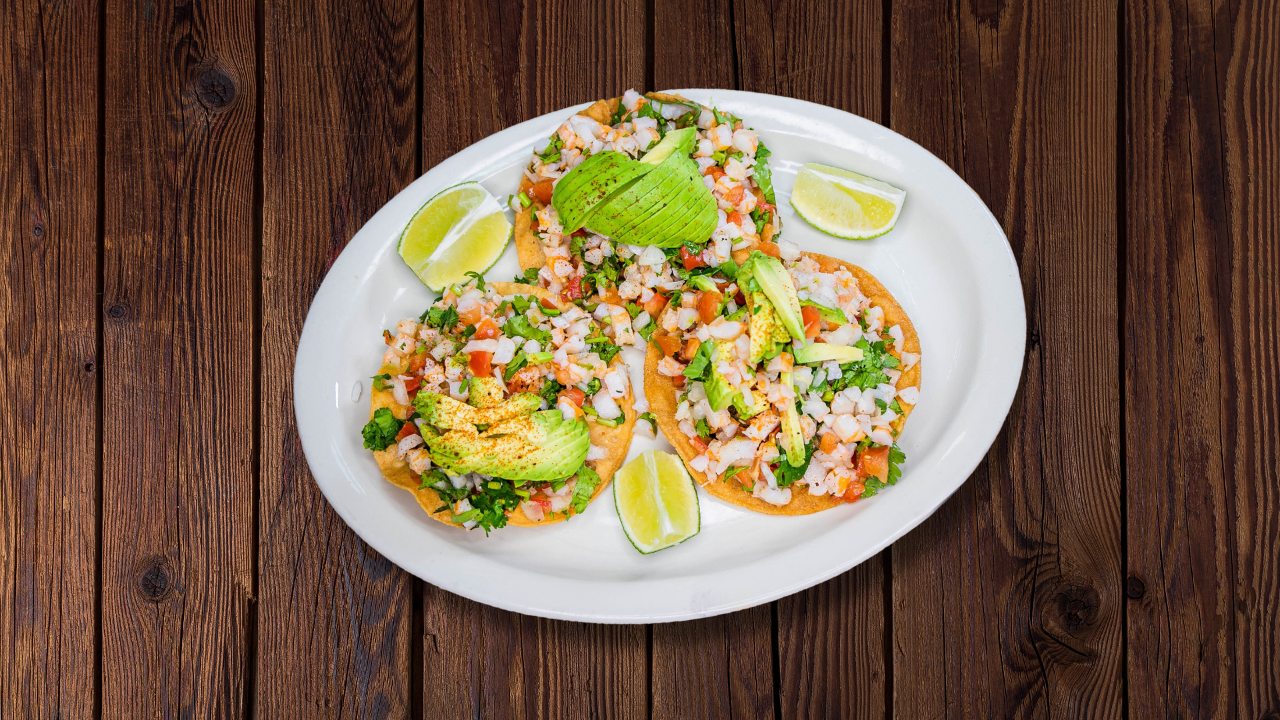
(664, 398)
(528, 249)
(614, 440)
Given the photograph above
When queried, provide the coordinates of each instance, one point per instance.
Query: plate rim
(489, 152)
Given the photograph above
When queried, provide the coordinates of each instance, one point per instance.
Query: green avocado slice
(446, 413)
(678, 142)
(538, 447)
(649, 196)
(591, 184)
(776, 283)
(822, 352)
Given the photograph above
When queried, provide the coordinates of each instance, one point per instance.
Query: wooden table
(178, 178)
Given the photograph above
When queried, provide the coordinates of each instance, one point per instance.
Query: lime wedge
(656, 501)
(844, 203)
(462, 229)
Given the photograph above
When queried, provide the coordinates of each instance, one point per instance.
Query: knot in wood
(1134, 588)
(39, 231)
(89, 367)
(153, 579)
(215, 89)
(1077, 606)
(118, 311)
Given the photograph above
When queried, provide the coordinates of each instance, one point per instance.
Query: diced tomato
(690, 349)
(733, 197)
(472, 315)
(740, 299)
(874, 462)
(417, 362)
(541, 191)
(812, 321)
(689, 259)
(668, 344)
(406, 430)
(854, 491)
(699, 443)
(769, 248)
(709, 305)
(573, 291)
(656, 305)
(734, 217)
(573, 395)
(486, 329)
(387, 337)
(479, 362)
(547, 303)
(828, 442)
(412, 383)
(764, 205)
(715, 171)
(678, 381)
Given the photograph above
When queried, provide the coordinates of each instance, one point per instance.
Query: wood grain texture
(48, 341)
(1182, 599)
(831, 638)
(485, 67)
(720, 667)
(177, 505)
(339, 122)
(823, 51)
(1007, 602)
(1248, 53)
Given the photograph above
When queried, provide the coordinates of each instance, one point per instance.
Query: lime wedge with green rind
(656, 501)
(844, 203)
(462, 229)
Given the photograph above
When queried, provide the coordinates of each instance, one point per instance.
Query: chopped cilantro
(763, 175)
(593, 387)
(584, 488)
(873, 485)
(651, 419)
(786, 474)
(443, 318)
(517, 362)
(381, 430)
(382, 382)
(704, 430)
(605, 347)
(519, 326)
(479, 279)
(734, 470)
(700, 363)
(549, 391)
(529, 277)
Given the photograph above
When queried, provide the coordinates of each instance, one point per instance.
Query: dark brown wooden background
(177, 178)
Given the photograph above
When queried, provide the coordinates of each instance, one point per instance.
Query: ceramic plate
(947, 262)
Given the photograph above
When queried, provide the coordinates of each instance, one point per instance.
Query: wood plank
(831, 638)
(720, 667)
(178, 490)
(486, 67)
(49, 249)
(339, 115)
(1248, 276)
(1008, 601)
(1181, 647)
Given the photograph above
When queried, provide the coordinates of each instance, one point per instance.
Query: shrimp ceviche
(785, 386)
(500, 404)
(576, 263)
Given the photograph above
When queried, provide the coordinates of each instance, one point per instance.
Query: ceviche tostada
(500, 405)
(631, 194)
(784, 383)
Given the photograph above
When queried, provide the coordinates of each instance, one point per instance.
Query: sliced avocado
(617, 217)
(720, 394)
(485, 392)
(776, 283)
(446, 413)
(835, 316)
(822, 352)
(792, 436)
(591, 184)
(699, 228)
(683, 208)
(762, 328)
(678, 142)
(749, 404)
(539, 447)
